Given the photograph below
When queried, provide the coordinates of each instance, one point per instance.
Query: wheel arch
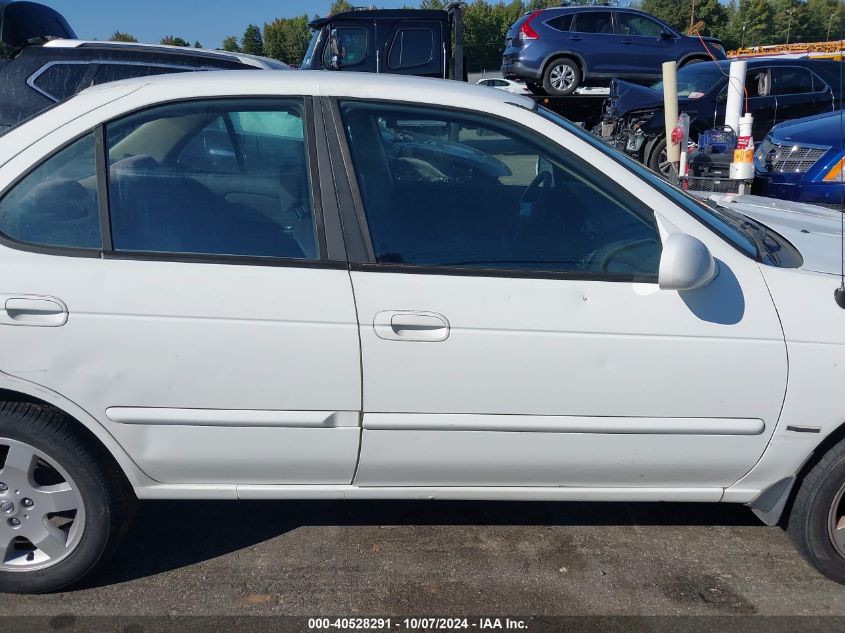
(582, 64)
(18, 390)
(689, 57)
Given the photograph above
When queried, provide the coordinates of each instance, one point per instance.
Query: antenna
(839, 293)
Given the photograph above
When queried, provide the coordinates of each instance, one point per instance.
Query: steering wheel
(534, 194)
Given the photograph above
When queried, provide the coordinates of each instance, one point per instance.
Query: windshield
(746, 235)
(309, 54)
(695, 80)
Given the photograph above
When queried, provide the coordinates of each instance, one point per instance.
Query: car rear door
(512, 330)
(188, 297)
(591, 36)
(798, 93)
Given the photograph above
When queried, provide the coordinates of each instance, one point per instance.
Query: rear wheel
(561, 77)
(62, 505)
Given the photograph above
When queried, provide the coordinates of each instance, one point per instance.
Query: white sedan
(273, 286)
(507, 85)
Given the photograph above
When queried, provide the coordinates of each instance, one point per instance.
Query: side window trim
(369, 264)
(33, 78)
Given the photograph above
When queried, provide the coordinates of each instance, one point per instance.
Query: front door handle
(411, 325)
(33, 311)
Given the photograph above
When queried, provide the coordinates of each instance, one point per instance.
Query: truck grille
(783, 158)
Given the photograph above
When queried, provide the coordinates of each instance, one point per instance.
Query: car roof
(319, 83)
(383, 14)
(137, 47)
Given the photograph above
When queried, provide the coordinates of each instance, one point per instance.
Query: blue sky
(208, 21)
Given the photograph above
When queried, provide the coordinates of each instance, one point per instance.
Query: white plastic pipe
(736, 90)
(670, 109)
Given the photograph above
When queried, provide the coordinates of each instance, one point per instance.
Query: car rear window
(561, 22)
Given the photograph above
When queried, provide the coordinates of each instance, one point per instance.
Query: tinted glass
(593, 22)
(757, 83)
(461, 190)
(790, 81)
(819, 84)
(561, 23)
(633, 24)
(218, 178)
(353, 47)
(61, 81)
(411, 47)
(116, 72)
(56, 204)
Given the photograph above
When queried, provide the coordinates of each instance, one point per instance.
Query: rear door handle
(411, 325)
(33, 311)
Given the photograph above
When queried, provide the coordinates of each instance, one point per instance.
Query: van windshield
(309, 54)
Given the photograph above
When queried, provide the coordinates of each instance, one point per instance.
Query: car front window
(735, 232)
(695, 80)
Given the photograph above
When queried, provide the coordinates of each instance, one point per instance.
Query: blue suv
(557, 50)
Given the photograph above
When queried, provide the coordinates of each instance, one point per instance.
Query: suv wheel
(562, 77)
(817, 520)
(62, 507)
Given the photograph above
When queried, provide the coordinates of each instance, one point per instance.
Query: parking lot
(447, 558)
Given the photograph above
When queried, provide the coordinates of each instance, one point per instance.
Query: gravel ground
(446, 558)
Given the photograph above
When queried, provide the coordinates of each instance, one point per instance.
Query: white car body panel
(542, 389)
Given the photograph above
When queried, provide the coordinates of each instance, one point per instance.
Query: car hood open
(815, 231)
(22, 23)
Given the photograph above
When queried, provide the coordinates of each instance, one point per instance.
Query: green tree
(339, 6)
(170, 40)
(120, 36)
(286, 39)
(252, 42)
(231, 44)
(197, 44)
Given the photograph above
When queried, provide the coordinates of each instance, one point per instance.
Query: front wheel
(63, 506)
(658, 160)
(816, 523)
(561, 78)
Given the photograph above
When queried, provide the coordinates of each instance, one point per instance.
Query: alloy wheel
(42, 515)
(562, 77)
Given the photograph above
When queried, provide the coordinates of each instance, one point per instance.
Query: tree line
(737, 23)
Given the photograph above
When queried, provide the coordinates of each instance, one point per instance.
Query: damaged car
(776, 90)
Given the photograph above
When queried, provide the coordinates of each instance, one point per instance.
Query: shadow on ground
(168, 535)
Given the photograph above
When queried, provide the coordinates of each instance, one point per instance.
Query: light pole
(742, 38)
(830, 24)
(789, 12)
(692, 15)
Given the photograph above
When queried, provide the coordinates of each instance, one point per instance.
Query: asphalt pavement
(446, 558)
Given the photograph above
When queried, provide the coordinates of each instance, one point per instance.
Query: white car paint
(536, 388)
(507, 85)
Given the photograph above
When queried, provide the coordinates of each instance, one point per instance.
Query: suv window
(593, 22)
(60, 81)
(458, 190)
(633, 24)
(353, 47)
(227, 177)
(561, 23)
(116, 72)
(56, 204)
(411, 47)
(792, 80)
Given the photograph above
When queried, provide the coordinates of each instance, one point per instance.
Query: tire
(657, 157)
(813, 515)
(561, 77)
(534, 88)
(84, 479)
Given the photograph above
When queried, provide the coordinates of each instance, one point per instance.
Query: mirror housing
(685, 264)
(666, 35)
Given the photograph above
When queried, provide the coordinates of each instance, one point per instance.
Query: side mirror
(686, 263)
(666, 35)
(335, 62)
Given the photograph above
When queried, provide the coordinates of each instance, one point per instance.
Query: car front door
(206, 326)
(512, 330)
